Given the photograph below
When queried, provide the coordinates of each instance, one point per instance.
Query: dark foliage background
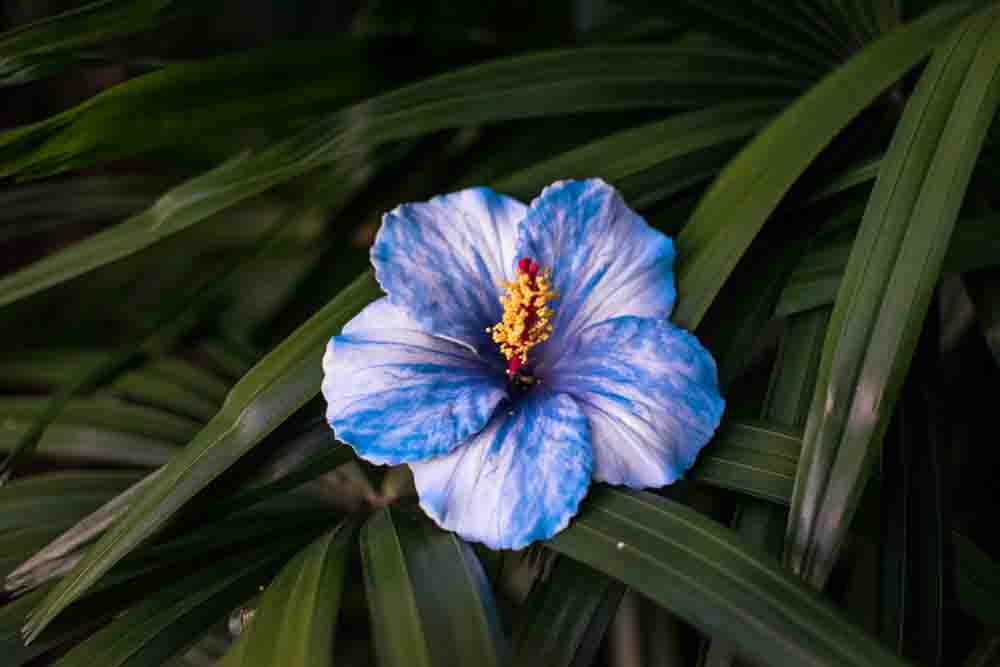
(187, 193)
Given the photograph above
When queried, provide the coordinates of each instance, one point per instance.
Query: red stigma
(528, 265)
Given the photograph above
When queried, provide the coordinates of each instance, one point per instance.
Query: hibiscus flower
(521, 352)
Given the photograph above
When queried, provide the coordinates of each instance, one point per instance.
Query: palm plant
(182, 244)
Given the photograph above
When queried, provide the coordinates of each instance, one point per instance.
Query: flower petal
(378, 315)
(606, 261)
(521, 479)
(650, 391)
(401, 395)
(441, 261)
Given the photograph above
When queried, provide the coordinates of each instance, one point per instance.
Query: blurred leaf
(194, 540)
(745, 194)
(180, 103)
(564, 618)
(191, 377)
(59, 496)
(581, 80)
(87, 444)
(891, 274)
(700, 570)
(12, 615)
(175, 316)
(630, 152)
(170, 619)
(331, 455)
(295, 620)
(275, 388)
(429, 600)
(197, 542)
(817, 277)
(98, 198)
(226, 357)
(55, 558)
(113, 415)
(859, 17)
(733, 327)
(47, 367)
(779, 28)
(141, 386)
(300, 463)
(41, 48)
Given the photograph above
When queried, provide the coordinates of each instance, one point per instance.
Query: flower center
(526, 315)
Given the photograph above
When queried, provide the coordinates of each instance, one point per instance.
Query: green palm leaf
(745, 194)
(275, 388)
(42, 48)
(294, 621)
(584, 80)
(892, 271)
(427, 594)
(701, 571)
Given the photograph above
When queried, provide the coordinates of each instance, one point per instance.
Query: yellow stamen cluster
(526, 314)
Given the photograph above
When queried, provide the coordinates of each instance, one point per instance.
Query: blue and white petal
(442, 261)
(400, 395)
(650, 391)
(521, 479)
(606, 261)
(381, 314)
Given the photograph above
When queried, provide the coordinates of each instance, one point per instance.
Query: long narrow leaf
(110, 414)
(166, 108)
(893, 268)
(71, 494)
(630, 152)
(759, 523)
(816, 280)
(275, 388)
(176, 316)
(563, 620)
(550, 84)
(700, 570)
(170, 619)
(428, 597)
(293, 625)
(757, 459)
(745, 194)
(37, 49)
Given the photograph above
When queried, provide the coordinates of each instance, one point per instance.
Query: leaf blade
(893, 268)
(294, 620)
(700, 570)
(582, 80)
(748, 190)
(277, 386)
(422, 585)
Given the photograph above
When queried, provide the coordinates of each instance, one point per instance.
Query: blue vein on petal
(521, 479)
